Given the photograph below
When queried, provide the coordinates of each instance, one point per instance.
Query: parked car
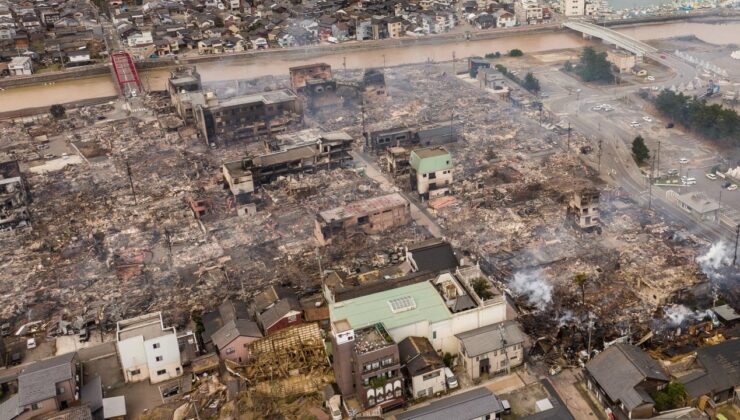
(732, 187)
(669, 125)
(451, 379)
(683, 161)
(647, 119)
(334, 407)
(726, 184)
(31, 343)
(16, 359)
(5, 329)
(84, 334)
(711, 176)
(506, 406)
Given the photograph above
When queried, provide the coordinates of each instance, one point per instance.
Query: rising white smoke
(534, 285)
(678, 314)
(718, 256)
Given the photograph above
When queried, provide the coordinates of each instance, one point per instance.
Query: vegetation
(711, 121)
(671, 397)
(640, 151)
(580, 279)
(531, 83)
(493, 55)
(448, 359)
(594, 67)
(516, 53)
(568, 66)
(57, 111)
(378, 381)
(482, 288)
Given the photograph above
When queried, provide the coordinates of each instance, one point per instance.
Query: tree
(568, 66)
(594, 66)
(639, 150)
(580, 279)
(57, 111)
(531, 83)
(516, 53)
(482, 288)
(448, 359)
(671, 397)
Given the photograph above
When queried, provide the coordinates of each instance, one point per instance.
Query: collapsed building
(410, 137)
(301, 75)
(14, 212)
(369, 216)
(305, 151)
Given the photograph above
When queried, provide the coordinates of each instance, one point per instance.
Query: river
(94, 87)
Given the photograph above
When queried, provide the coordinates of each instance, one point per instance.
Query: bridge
(124, 70)
(639, 48)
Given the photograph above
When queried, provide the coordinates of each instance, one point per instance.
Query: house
(491, 349)
(78, 57)
(475, 64)
(504, 19)
(624, 376)
(371, 216)
(477, 404)
(46, 386)
(431, 172)
(573, 7)
(213, 321)
(716, 372)
(366, 365)
(148, 349)
(395, 27)
(422, 366)
(698, 205)
(231, 340)
(20, 66)
(276, 308)
(528, 12)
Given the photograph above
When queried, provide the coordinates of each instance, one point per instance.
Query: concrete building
(431, 172)
(370, 216)
(431, 135)
(491, 349)
(583, 208)
(528, 12)
(248, 116)
(625, 61)
(299, 75)
(573, 7)
(698, 205)
(148, 349)
(476, 404)
(422, 367)
(623, 377)
(367, 365)
(20, 66)
(504, 19)
(395, 27)
(14, 212)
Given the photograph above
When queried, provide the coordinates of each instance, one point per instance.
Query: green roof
(374, 308)
(430, 159)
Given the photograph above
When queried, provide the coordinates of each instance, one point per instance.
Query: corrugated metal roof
(430, 159)
(464, 406)
(491, 337)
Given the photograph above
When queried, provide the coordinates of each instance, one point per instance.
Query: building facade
(491, 349)
(584, 208)
(147, 349)
(373, 215)
(431, 172)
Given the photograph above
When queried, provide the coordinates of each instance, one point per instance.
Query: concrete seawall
(27, 112)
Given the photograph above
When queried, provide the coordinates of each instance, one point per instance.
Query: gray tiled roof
(233, 329)
(721, 363)
(491, 337)
(38, 381)
(464, 406)
(620, 368)
(418, 356)
(272, 315)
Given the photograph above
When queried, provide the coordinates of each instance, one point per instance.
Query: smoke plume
(719, 254)
(533, 285)
(678, 314)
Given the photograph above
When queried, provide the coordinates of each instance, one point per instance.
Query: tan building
(493, 348)
(300, 74)
(370, 216)
(395, 27)
(574, 7)
(584, 208)
(623, 60)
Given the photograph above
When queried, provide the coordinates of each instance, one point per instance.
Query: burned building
(303, 151)
(14, 212)
(367, 365)
(322, 94)
(431, 135)
(373, 85)
(301, 75)
(397, 161)
(248, 116)
(369, 216)
(431, 172)
(184, 79)
(584, 208)
(476, 64)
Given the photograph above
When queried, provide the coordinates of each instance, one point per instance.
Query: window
(434, 335)
(292, 317)
(156, 345)
(387, 361)
(402, 304)
(368, 367)
(34, 406)
(134, 372)
(159, 358)
(376, 365)
(161, 372)
(432, 175)
(230, 350)
(363, 220)
(60, 390)
(432, 375)
(421, 393)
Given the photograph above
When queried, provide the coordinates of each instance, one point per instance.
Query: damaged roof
(721, 364)
(418, 356)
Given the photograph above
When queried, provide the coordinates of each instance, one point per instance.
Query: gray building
(716, 374)
(477, 404)
(493, 348)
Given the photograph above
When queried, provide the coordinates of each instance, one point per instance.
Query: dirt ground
(523, 399)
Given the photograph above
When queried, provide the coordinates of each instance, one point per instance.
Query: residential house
(232, 340)
(147, 349)
(476, 404)
(79, 57)
(20, 66)
(276, 308)
(370, 216)
(623, 377)
(431, 171)
(46, 386)
(422, 366)
(485, 21)
(213, 321)
(504, 19)
(698, 205)
(395, 27)
(715, 373)
(492, 349)
(528, 12)
(573, 7)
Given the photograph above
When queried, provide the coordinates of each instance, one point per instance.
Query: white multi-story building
(574, 7)
(148, 349)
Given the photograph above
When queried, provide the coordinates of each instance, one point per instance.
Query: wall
(54, 76)
(241, 353)
(285, 322)
(169, 350)
(133, 356)
(437, 383)
(496, 360)
(46, 406)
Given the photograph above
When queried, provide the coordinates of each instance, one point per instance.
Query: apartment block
(147, 349)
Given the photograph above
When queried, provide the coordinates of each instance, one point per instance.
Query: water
(72, 90)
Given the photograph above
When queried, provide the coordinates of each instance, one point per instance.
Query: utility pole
(650, 185)
(453, 65)
(452, 117)
(719, 207)
(321, 270)
(344, 64)
(131, 181)
(737, 236)
(657, 167)
(384, 62)
(599, 165)
(590, 328)
(568, 136)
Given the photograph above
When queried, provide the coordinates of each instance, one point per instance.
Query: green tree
(57, 111)
(516, 53)
(580, 280)
(448, 359)
(594, 66)
(568, 66)
(531, 83)
(671, 397)
(639, 150)
(482, 288)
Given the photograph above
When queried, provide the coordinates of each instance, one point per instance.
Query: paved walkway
(565, 384)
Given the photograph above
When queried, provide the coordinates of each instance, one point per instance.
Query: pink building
(231, 340)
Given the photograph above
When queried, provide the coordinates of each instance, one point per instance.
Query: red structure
(126, 74)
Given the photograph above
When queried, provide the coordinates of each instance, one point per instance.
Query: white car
(711, 176)
(451, 379)
(31, 343)
(732, 187)
(683, 161)
(647, 119)
(634, 124)
(650, 78)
